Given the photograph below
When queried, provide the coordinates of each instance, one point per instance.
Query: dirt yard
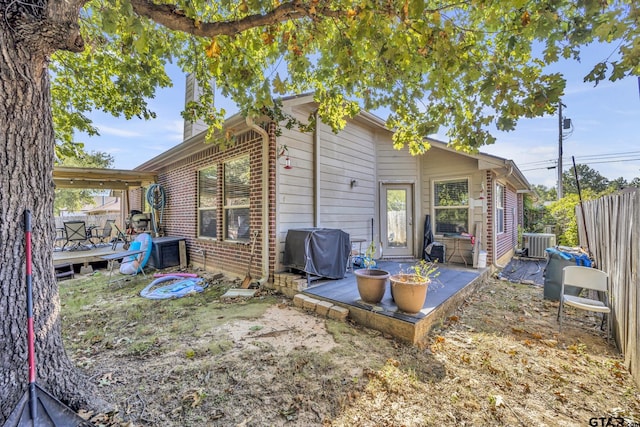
(202, 361)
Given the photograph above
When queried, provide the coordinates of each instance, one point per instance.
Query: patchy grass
(198, 360)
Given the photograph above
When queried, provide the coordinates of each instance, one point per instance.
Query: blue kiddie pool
(135, 263)
(171, 286)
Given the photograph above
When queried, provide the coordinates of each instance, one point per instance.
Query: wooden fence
(97, 220)
(612, 230)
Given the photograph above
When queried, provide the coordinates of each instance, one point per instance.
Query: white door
(397, 220)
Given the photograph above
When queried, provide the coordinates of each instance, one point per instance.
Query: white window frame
(500, 211)
(435, 208)
(226, 231)
(208, 208)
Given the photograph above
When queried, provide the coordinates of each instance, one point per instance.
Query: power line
(587, 156)
(587, 163)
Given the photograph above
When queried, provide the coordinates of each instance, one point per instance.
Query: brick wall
(179, 181)
(506, 241)
(489, 184)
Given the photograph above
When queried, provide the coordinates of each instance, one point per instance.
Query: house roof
(505, 168)
(188, 147)
(110, 206)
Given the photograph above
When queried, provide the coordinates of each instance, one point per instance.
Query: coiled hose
(157, 199)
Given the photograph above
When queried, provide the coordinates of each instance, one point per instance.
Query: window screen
(208, 202)
(236, 198)
(499, 209)
(451, 206)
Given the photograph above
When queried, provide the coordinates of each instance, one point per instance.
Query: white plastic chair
(590, 279)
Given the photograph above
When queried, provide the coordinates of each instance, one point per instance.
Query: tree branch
(173, 18)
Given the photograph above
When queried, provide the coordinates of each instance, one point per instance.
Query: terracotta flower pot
(371, 284)
(409, 292)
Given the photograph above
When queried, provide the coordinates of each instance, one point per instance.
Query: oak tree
(465, 65)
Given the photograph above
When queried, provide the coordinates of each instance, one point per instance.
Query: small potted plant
(409, 289)
(372, 282)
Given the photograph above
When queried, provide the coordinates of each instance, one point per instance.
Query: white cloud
(109, 130)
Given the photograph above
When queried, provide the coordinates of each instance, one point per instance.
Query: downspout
(316, 172)
(265, 199)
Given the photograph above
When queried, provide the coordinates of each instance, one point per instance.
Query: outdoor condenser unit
(536, 243)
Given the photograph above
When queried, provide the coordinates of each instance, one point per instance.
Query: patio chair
(76, 231)
(120, 237)
(104, 234)
(60, 240)
(590, 279)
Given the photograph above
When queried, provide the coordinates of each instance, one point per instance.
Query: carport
(116, 180)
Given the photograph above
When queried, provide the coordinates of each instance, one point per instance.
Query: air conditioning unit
(536, 243)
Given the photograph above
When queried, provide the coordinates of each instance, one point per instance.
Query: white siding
(438, 164)
(399, 166)
(346, 156)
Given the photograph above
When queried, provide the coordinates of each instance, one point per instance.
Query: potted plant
(409, 289)
(372, 282)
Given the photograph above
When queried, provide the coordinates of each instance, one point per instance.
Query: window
(499, 209)
(208, 202)
(451, 206)
(236, 199)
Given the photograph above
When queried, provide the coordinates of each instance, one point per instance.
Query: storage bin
(165, 252)
(482, 259)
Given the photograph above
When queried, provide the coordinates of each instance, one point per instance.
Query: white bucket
(482, 259)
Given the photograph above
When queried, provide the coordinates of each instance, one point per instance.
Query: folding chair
(590, 279)
(76, 231)
(120, 237)
(104, 234)
(60, 240)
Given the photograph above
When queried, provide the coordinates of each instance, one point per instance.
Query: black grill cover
(318, 251)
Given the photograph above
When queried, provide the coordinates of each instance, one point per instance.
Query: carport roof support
(94, 178)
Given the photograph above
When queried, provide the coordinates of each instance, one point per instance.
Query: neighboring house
(101, 205)
(354, 180)
(104, 205)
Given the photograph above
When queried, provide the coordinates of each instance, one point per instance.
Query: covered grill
(318, 251)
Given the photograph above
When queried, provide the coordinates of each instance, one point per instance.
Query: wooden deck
(446, 293)
(85, 257)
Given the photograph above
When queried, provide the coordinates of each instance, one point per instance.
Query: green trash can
(553, 276)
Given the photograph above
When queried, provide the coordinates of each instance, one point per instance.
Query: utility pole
(563, 123)
(559, 150)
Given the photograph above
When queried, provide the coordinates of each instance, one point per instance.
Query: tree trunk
(29, 33)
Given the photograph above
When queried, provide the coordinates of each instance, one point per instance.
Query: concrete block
(300, 284)
(86, 269)
(310, 304)
(323, 307)
(299, 299)
(338, 313)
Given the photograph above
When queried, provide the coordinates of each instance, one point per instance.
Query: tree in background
(561, 213)
(589, 178)
(544, 193)
(618, 184)
(464, 65)
(71, 199)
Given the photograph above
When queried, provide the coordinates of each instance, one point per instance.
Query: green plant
(422, 271)
(369, 255)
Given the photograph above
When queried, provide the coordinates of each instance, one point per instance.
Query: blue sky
(606, 125)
